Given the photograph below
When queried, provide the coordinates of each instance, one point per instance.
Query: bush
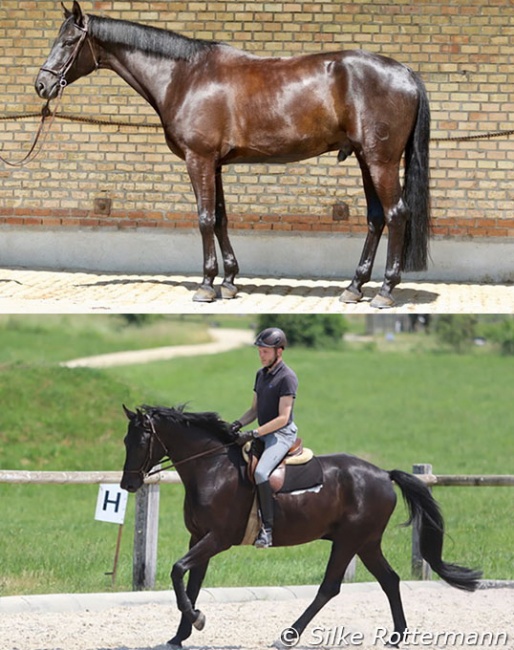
(502, 333)
(456, 331)
(308, 330)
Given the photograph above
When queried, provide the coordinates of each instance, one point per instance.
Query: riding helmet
(271, 337)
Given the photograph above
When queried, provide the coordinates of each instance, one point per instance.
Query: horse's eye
(69, 42)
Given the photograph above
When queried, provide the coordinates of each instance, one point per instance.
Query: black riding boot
(266, 505)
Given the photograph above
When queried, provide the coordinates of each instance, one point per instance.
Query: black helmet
(271, 337)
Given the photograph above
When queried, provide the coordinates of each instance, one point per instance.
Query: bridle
(46, 112)
(149, 427)
(64, 69)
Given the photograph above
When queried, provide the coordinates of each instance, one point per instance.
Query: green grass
(44, 339)
(392, 407)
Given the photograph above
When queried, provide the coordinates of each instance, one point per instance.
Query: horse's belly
(278, 155)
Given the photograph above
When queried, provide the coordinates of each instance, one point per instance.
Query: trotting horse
(351, 510)
(221, 106)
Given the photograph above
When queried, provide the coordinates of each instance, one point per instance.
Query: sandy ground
(355, 619)
(36, 291)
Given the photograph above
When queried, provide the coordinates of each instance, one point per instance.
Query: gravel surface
(35, 291)
(358, 618)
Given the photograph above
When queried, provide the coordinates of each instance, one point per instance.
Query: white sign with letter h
(111, 504)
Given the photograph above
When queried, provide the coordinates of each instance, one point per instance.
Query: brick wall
(464, 52)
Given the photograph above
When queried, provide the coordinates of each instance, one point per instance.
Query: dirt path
(223, 339)
(359, 618)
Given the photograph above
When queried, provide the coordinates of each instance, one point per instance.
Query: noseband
(63, 71)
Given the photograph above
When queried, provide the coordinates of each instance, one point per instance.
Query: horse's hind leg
(389, 580)
(386, 179)
(230, 265)
(340, 557)
(376, 222)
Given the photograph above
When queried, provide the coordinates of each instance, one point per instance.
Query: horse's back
(359, 480)
(356, 496)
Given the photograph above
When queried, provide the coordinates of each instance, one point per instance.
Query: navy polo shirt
(270, 386)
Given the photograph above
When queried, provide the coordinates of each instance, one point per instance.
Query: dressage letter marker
(111, 504)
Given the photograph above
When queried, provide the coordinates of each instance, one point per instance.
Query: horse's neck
(148, 74)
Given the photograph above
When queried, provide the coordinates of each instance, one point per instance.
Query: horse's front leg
(197, 558)
(230, 265)
(194, 584)
(202, 173)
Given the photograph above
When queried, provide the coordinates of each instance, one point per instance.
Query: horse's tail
(416, 190)
(424, 512)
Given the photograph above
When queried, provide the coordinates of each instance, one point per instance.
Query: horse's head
(68, 59)
(143, 449)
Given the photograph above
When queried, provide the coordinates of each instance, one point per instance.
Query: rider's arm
(251, 414)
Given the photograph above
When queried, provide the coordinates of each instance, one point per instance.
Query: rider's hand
(246, 436)
(235, 427)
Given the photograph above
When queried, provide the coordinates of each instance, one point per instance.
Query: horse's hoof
(351, 296)
(174, 643)
(199, 622)
(382, 302)
(205, 294)
(228, 291)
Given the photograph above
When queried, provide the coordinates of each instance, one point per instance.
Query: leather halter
(45, 113)
(63, 71)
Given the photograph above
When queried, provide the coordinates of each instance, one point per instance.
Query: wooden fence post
(145, 537)
(420, 569)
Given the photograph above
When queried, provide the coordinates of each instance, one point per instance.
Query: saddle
(297, 455)
(299, 471)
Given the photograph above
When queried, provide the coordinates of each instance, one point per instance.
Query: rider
(274, 394)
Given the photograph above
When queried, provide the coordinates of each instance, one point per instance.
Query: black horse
(351, 510)
(221, 106)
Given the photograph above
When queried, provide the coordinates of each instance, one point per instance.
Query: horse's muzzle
(131, 482)
(47, 85)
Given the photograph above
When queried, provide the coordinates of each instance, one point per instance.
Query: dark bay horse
(219, 106)
(351, 510)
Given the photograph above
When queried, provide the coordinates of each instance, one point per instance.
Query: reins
(169, 463)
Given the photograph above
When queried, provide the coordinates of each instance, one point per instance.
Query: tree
(309, 330)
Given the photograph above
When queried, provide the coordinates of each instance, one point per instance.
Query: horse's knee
(177, 572)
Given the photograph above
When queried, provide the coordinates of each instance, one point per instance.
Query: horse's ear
(67, 12)
(77, 14)
(130, 414)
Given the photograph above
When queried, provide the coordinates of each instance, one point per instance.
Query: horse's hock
(50, 211)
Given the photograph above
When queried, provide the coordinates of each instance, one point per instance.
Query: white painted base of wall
(279, 254)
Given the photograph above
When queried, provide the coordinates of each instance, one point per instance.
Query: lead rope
(34, 150)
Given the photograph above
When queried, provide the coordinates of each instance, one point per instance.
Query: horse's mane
(207, 420)
(151, 40)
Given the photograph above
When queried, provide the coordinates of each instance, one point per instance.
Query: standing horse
(220, 106)
(351, 510)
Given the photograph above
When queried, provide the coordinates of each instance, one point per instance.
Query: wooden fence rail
(147, 509)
